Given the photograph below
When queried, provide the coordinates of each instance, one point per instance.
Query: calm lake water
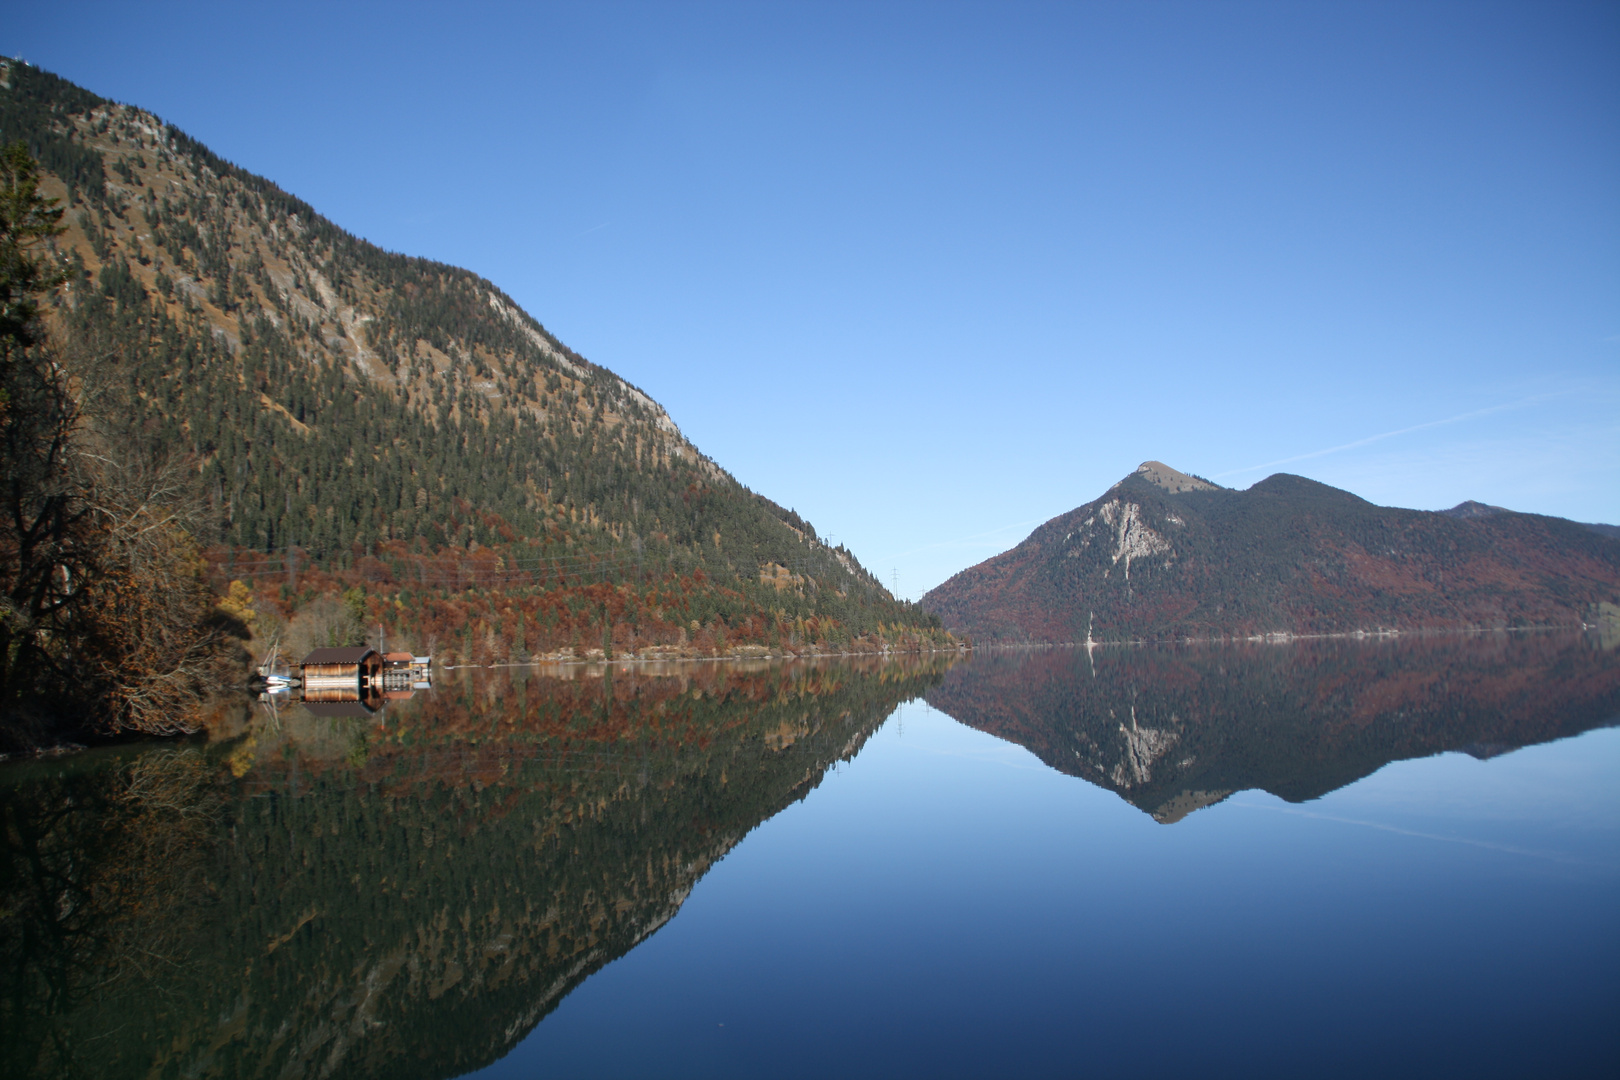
(1316, 859)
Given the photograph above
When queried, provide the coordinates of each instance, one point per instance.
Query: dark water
(1329, 859)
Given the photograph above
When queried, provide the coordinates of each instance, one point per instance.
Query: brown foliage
(153, 637)
(106, 619)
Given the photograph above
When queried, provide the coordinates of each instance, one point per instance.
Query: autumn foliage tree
(105, 619)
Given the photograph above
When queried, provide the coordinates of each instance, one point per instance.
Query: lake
(1320, 858)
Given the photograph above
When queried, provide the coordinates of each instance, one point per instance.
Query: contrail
(593, 228)
(1391, 434)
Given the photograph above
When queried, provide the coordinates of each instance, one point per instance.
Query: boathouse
(347, 674)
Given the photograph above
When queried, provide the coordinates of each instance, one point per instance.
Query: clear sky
(934, 273)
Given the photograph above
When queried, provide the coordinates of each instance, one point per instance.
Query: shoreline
(1287, 637)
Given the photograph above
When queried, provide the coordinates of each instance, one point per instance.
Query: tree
(28, 222)
(104, 613)
(43, 550)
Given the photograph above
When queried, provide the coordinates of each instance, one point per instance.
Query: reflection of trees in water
(1173, 729)
(427, 901)
(105, 867)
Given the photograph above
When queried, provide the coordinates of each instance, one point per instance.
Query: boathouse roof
(349, 655)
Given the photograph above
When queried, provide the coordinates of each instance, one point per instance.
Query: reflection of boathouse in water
(358, 680)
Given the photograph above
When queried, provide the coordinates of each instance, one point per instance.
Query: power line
(431, 570)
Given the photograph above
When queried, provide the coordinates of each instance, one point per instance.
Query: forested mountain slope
(1162, 555)
(339, 402)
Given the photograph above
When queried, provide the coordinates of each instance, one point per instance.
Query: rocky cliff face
(1163, 555)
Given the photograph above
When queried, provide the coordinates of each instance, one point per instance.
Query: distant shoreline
(1286, 638)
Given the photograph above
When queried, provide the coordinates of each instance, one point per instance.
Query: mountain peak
(1173, 481)
(1473, 509)
(1289, 555)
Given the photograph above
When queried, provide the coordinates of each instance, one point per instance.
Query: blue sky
(934, 273)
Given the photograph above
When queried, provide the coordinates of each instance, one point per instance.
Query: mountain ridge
(1162, 555)
(403, 427)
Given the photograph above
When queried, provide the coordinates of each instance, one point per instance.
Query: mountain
(1472, 509)
(399, 426)
(1171, 729)
(1162, 555)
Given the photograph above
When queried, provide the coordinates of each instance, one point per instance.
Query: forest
(356, 444)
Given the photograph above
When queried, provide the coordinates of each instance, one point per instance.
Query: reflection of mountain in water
(1175, 729)
(337, 898)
